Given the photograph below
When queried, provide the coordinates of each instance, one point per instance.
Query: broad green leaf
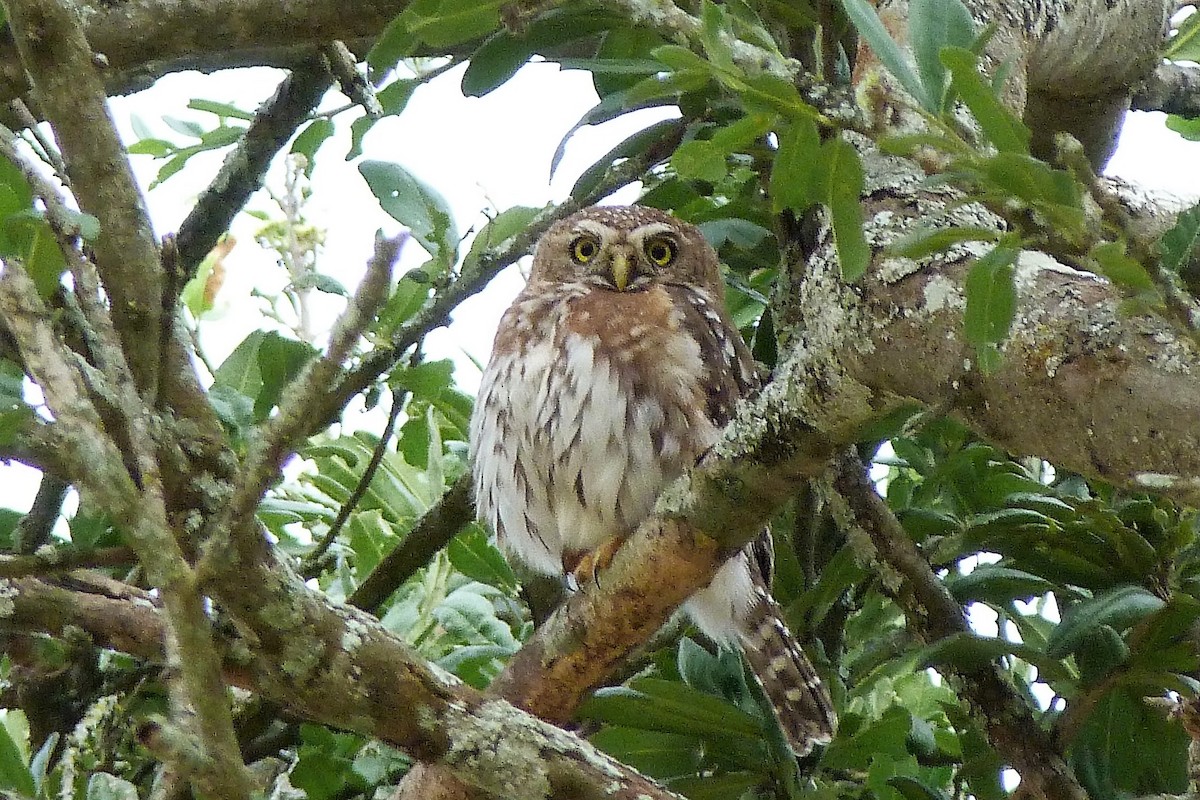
(474, 556)
(1180, 244)
(886, 736)
(699, 160)
(996, 584)
(932, 25)
(660, 705)
(471, 618)
(1125, 747)
(426, 380)
(718, 787)
(998, 124)
(261, 367)
(991, 295)
(796, 169)
(871, 28)
(969, 651)
(416, 206)
(911, 788)
(635, 145)
(14, 772)
(1118, 608)
(842, 190)
(311, 138)
(220, 109)
(716, 37)
(499, 230)
(1187, 127)
(655, 753)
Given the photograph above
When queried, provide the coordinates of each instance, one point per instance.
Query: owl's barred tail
(799, 698)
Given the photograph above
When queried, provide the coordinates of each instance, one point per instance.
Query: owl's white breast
(578, 429)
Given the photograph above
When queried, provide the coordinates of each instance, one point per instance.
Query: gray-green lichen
(7, 593)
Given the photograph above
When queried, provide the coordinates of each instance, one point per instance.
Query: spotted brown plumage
(612, 372)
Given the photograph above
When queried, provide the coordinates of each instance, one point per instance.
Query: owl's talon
(593, 562)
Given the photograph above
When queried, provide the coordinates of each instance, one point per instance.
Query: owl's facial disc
(625, 262)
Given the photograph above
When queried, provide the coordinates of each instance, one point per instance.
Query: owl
(612, 372)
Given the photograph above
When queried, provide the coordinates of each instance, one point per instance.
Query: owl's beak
(620, 268)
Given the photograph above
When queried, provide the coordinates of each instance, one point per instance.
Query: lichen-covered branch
(72, 96)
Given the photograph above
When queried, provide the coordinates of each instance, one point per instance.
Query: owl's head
(624, 249)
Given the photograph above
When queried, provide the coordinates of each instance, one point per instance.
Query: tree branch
(73, 98)
(1172, 88)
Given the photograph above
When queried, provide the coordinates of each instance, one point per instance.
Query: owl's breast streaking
(604, 404)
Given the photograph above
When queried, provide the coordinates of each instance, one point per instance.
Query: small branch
(242, 173)
(353, 83)
(311, 567)
(73, 98)
(933, 614)
(34, 529)
(1172, 88)
(50, 561)
(436, 527)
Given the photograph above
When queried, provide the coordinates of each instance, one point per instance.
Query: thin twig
(312, 562)
(436, 527)
(57, 560)
(353, 83)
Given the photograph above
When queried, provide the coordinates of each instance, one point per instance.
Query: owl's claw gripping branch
(587, 565)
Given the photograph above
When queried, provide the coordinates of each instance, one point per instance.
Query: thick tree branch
(73, 98)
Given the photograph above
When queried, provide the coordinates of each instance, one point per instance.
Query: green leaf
(991, 583)
(999, 125)
(991, 296)
(924, 242)
(932, 25)
(1180, 244)
(913, 789)
(1118, 608)
(1185, 44)
(661, 705)
(796, 170)
(969, 651)
(655, 753)
(261, 367)
(413, 204)
(1112, 262)
(1125, 748)
(311, 138)
(220, 109)
(1187, 127)
(871, 28)
(841, 192)
(635, 145)
(14, 773)
(474, 556)
(699, 160)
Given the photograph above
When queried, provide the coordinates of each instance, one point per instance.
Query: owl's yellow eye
(660, 251)
(584, 249)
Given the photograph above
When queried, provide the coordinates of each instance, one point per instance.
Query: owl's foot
(587, 565)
